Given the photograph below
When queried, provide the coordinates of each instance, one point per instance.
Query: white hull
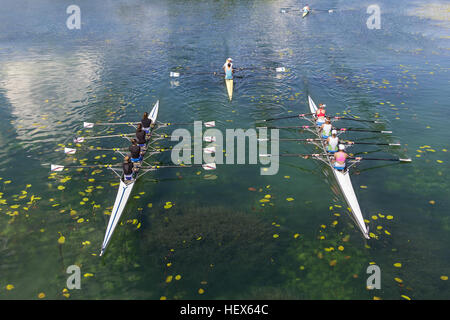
(345, 184)
(123, 194)
(119, 205)
(229, 84)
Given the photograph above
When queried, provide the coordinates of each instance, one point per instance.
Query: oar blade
(56, 168)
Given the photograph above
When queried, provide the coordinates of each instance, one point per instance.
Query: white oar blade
(70, 151)
(88, 125)
(56, 168)
(78, 139)
(280, 69)
(210, 124)
(405, 160)
(209, 166)
(174, 74)
(209, 150)
(209, 139)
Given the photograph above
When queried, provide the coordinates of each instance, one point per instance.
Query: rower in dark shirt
(146, 122)
(135, 151)
(140, 136)
(127, 167)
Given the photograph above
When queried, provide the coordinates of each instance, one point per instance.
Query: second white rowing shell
(345, 184)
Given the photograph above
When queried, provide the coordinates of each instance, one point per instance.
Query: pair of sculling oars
(338, 129)
(164, 124)
(303, 115)
(328, 155)
(177, 74)
(346, 142)
(59, 168)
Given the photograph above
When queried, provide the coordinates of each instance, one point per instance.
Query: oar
(276, 69)
(372, 143)
(342, 130)
(345, 142)
(384, 159)
(288, 139)
(128, 135)
(322, 10)
(206, 166)
(81, 139)
(289, 127)
(362, 130)
(208, 124)
(294, 155)
(356, 119)
(92, 124)
(58, 168)
(301, 115)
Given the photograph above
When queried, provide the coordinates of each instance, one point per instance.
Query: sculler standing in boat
(135, 151)
(228, 69)
(146, 123)
(332, 142)
(320, 114)
(140, 136)
(127, 167)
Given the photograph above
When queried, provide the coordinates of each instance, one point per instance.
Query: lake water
(230, 233)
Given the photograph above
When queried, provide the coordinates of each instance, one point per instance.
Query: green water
(191, 234)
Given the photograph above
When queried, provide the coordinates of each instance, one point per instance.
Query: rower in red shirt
(320, 114)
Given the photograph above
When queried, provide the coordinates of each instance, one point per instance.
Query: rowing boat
(229, 83)
(125, 188)
(343, 179)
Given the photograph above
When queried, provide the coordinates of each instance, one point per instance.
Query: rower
(140, 136)
(326, 128)
(320, 114)
(127, 167)
(306, 9)
(146, 123)
(339, 158)
(228, 69)
(228, 61)
(332, 142)
(135, 151)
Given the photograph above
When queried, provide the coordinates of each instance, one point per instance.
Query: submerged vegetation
(202, 244)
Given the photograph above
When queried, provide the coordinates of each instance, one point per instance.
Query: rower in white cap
(332, 142)
(339, 158)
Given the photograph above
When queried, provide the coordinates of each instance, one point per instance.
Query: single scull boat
(229, 83)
